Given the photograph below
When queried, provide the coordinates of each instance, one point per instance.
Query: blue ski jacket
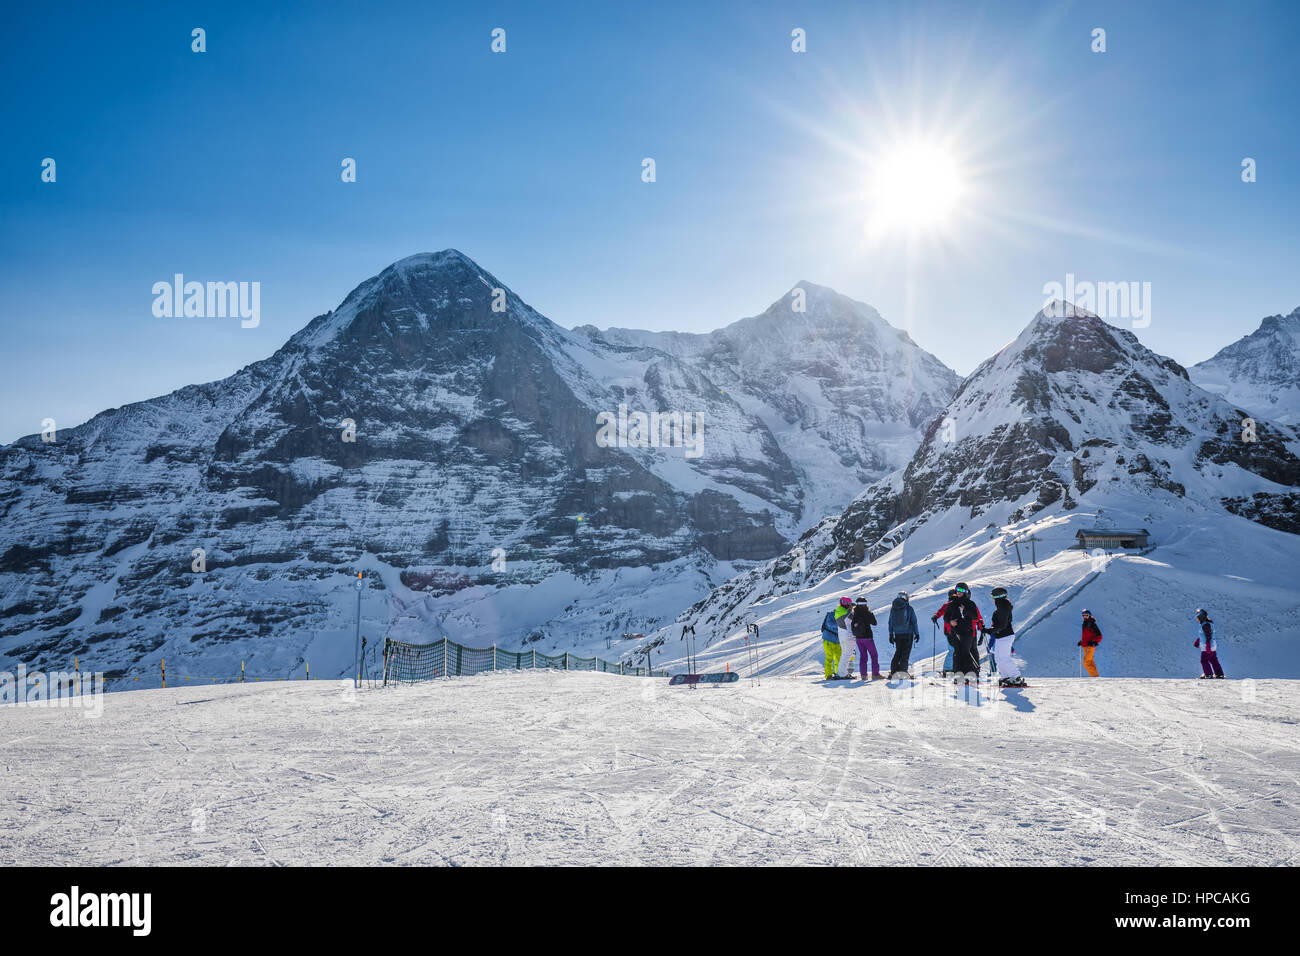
(902, 619)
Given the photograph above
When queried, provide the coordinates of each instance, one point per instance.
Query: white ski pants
(847, 651)
(1002, 654)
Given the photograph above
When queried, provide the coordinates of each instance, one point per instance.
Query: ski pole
(934, 640)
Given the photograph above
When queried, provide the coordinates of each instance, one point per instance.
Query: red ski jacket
(947, 628)
(1091, 633)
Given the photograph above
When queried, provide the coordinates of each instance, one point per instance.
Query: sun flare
(915, 187)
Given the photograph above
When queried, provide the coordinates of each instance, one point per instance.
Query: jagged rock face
(1070, 413)
(1260, 372)
(471, 416)
(1072, 399)
(474, 430)
(1280, 511)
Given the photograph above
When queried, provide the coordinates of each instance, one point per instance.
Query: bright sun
(916, 187)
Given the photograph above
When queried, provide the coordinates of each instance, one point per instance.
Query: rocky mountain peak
(1260, 372)
(426, 295)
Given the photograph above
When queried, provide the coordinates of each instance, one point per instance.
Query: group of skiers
(965, 631)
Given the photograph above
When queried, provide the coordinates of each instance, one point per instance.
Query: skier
(834, 628)
(844, 629)
(831, 642)
(1210, 652)
(947, 632)
(964, 619)
(1089, 641)
(902, 632)
(863, 621)
(1001, 628)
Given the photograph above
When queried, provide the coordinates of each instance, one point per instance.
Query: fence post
(566, 660)
(445, 669)
(241, 672)
(76, 678)
(494, 657)
(534, 658)
(163, 661)
(308, 663)
(458, 649)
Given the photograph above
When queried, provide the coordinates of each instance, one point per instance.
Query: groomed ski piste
(598, 769)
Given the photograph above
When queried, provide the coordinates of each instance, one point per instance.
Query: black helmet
(860, 600)
(961, 588)
(1201, 613)
(999, 593)
(952, 593)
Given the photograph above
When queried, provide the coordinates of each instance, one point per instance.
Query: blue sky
(1115, 166)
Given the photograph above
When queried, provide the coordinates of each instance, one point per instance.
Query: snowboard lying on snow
(726, 677)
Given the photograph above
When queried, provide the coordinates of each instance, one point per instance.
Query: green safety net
(407, 663)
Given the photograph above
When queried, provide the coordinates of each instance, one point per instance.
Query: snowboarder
(863, 621)
(964, 619)
(902, 632)
(947, 632)
(1001, 628)
(1210, 649)
(1089, 641)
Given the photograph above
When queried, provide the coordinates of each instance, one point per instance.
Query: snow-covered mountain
(1260, 371)
(843, 391)
(1072, 425)
(488, 467)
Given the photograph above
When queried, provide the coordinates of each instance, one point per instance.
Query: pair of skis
(692, 679)
(751, 651)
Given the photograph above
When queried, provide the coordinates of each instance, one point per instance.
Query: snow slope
(1071, 426)
(553, 768)
(1144, 603)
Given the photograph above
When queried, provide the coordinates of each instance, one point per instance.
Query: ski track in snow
(581, 768)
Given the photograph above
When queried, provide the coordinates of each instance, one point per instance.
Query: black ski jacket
(863, 621)
(962, 615)
(1001, 619)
